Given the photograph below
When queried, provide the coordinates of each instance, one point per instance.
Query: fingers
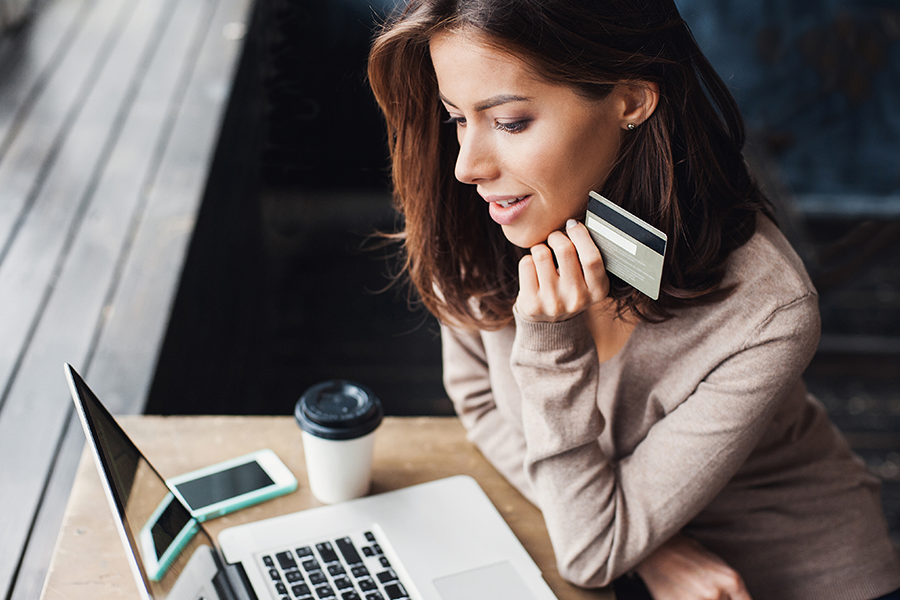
(544, 265)
(551, 290)
(594, 272)
(683, 569)
(539, 296)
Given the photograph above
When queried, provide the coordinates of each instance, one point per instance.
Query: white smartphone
(233, 484)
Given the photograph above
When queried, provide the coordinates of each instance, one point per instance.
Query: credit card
(632, 249)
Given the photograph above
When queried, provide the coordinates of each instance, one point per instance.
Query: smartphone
(165, 535)
(233, 484)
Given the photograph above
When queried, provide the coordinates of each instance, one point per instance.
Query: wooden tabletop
(89, 561)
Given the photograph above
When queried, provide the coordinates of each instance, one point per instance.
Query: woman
(672, 439)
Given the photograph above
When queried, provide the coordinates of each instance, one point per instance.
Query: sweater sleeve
(467, 382)
(605, 516)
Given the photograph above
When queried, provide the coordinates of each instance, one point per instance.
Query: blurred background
(289, 287)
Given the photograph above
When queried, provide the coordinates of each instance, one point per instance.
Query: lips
(505, 209)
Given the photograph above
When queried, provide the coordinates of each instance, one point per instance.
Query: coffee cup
(338, 419)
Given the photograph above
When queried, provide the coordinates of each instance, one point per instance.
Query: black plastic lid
(338, 410)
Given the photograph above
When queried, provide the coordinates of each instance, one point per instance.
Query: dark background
(290, 284)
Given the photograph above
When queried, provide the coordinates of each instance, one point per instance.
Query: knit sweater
(700, 424)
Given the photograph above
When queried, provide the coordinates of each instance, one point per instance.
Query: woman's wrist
(541, 336)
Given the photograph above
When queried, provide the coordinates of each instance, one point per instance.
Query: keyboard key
(304, 552)
(367, 585)
(351, 595)
(325, 591)
(336, 569)
(317, 577)
(348, 550)
(377, 549)
(279, 587)
(326, 552)
(374, 596)
(286, 560)
(385, 562)
(311, 565)
(395, 590)
(370, 536)
(300, 589)
(359, 571)
(386, 576)
(267, 560)
(367, 550)
(293, 576)
(274, 574)
(342, 583)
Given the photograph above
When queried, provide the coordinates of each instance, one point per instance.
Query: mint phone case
(233, 484)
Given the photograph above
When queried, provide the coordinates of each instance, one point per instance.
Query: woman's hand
(682, 569)
(548, 293)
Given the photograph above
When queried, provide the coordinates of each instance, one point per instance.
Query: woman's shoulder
(767, 266)
(767, 286)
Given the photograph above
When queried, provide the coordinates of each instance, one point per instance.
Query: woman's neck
(610, 332)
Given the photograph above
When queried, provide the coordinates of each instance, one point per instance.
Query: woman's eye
(514, 127)
(458, 121)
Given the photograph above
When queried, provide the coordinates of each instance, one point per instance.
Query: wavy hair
(682, 170)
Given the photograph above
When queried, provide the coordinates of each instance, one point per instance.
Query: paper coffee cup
(338, 419)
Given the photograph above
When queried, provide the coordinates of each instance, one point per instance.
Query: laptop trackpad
(493, 582)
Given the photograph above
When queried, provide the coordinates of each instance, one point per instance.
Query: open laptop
(442, 540)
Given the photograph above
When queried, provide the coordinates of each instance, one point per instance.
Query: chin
(524, 239)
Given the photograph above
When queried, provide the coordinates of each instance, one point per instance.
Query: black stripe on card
(627, 226)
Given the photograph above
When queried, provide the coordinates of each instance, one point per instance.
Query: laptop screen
(171, 555)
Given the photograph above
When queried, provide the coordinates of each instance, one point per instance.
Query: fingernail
(571, 223)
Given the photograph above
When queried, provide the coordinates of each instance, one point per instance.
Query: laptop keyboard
(352, 567)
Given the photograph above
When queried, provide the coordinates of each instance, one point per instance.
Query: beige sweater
(701, 424)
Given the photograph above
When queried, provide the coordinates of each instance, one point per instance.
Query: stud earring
(631, 127)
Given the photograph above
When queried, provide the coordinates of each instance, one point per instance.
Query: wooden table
(89, 561)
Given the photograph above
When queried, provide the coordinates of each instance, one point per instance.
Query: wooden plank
(30, 58)
(118, 184)
(32, 150)
(68, 329)
(30, 421)
(13, 12)
(42, 540)
(41, 246)
(21, 173)
(123, 366)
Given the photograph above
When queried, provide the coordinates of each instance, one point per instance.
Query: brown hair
(681, 170)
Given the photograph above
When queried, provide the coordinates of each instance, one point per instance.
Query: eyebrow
(491, 102)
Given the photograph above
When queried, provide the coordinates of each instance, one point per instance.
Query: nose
(476, 161)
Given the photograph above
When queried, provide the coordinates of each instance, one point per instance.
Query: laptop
(441, 540)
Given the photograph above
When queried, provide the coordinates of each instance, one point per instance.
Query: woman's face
(533, 149)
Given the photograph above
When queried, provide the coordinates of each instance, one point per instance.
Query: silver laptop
(442, 540)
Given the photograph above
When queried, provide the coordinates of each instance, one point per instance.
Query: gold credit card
(632, 249)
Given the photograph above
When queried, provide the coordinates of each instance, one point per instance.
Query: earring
(631, 127)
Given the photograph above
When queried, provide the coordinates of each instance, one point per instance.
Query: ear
(639, 100)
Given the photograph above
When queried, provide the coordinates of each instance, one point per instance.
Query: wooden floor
(110, 117)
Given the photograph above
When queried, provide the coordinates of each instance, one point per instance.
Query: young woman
(674, 439)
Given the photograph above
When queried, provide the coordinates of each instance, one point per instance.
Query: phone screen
(222, 485)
